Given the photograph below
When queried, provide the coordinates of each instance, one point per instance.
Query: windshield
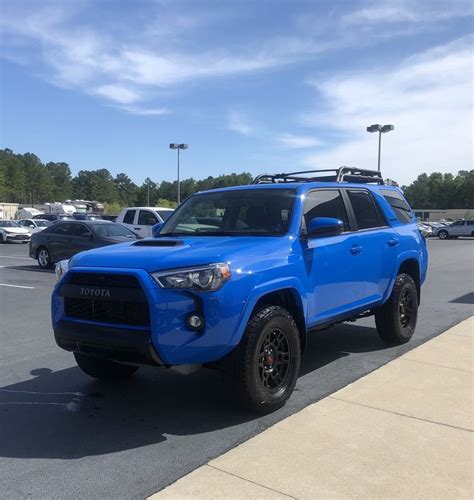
(8, 223)
(240, 212)
(43, 223)
(111, 230)
(165, 214)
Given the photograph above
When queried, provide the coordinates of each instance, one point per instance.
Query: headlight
(61, 269)
(202, 278)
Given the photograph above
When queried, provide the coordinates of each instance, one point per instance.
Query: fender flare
(260, 291)
(401, 258)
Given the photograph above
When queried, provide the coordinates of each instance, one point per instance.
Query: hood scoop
(158, 242)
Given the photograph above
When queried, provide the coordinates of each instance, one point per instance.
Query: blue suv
(238, 278)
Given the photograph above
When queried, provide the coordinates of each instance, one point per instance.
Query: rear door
(146, 220)
(378, 244)
(59, 240)
(129, 219)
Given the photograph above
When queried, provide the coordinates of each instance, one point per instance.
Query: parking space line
(18, 286)
(15, 258)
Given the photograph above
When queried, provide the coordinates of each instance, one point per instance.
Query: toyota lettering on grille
(95, 292)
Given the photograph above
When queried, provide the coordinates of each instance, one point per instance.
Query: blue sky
(250, 85)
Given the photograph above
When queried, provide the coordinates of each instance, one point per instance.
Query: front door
(334, 284)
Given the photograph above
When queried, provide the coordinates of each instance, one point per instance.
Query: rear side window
(129, 217)
(325, 203)
(146, 218)
(364, 209)
(399, 205)
(64, 229)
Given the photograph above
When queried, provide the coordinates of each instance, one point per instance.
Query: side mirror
(156, 229)
(325, 226)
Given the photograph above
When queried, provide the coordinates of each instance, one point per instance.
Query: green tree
(61, 176)
(126, 189)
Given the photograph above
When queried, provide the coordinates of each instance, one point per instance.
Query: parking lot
(63, 434)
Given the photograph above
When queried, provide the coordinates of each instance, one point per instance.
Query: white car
(11, 231)
(34, 225)
(140, 220)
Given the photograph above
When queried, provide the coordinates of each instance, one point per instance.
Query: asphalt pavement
(65, 435)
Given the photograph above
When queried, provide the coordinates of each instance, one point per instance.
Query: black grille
(126, 312)
(107, 280)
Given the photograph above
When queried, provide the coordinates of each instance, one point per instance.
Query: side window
(146, 218)
(399, 205)
(325, 203)
(63, 230)
(129, 217)
(364, 209)
(80, 230)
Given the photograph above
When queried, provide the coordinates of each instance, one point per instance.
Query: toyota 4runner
(238, 278)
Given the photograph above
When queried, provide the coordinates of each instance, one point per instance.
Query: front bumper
(128, 346)
(18, 237)
(166, 331)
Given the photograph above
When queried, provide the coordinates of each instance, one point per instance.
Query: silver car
(457, 228)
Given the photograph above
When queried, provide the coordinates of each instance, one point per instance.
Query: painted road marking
(16, 258)
(18, 286)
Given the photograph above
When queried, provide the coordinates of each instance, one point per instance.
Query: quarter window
(400, 207)
(364, 209)
(129, 217)
(325, 203)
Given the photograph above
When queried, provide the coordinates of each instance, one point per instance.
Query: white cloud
(145, 111)
(292, 141)
(117, 93)
(240, 123)
(427, 97)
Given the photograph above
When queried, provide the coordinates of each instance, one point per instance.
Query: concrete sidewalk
(405, 430)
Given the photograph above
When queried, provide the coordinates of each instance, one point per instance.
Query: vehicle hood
(190, 251)
(15, 230)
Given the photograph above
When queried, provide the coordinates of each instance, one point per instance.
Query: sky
(257, 86)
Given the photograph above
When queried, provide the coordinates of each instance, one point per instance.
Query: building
(8, 211)
(436, 214)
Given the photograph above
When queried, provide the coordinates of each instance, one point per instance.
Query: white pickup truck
(140, 220)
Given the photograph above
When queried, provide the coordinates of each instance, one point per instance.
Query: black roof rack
(341, 174)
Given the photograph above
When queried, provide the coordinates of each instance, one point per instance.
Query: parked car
(456, 229)
(34, 225)
(243, 289)
(11, 231)
(53, 217)
(142, 219)
(64, 239)
(425, 229)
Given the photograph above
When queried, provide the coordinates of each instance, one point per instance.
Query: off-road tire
(247, 367)
(396, 319)
(103, 369)
(443, 234)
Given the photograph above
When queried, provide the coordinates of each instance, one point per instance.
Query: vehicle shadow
(67, 415)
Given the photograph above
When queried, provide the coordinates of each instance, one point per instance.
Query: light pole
(381, 129)
(178, 147)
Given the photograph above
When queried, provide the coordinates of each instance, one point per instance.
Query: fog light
(195, 321)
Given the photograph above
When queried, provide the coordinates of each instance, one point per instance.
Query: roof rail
(341, 174)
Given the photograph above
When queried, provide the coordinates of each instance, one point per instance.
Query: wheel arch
(411, 267)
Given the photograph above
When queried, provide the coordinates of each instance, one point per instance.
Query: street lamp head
(174, 146)
(387, 128)
(183, 146)
(374, 128)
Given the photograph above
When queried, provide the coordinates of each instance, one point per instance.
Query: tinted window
(164, 214)
(236, 212)
(364, 209)
(80, 230)
(323, 203)
(458, 223)
(399, 205)
(111, 230)
(63, 229)
(146, 218)
(129, 216)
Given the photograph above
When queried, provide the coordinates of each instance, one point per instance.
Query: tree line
(26, 180)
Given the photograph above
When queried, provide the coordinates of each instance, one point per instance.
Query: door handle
(355, 250)
(393, 242)
(137, 228)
